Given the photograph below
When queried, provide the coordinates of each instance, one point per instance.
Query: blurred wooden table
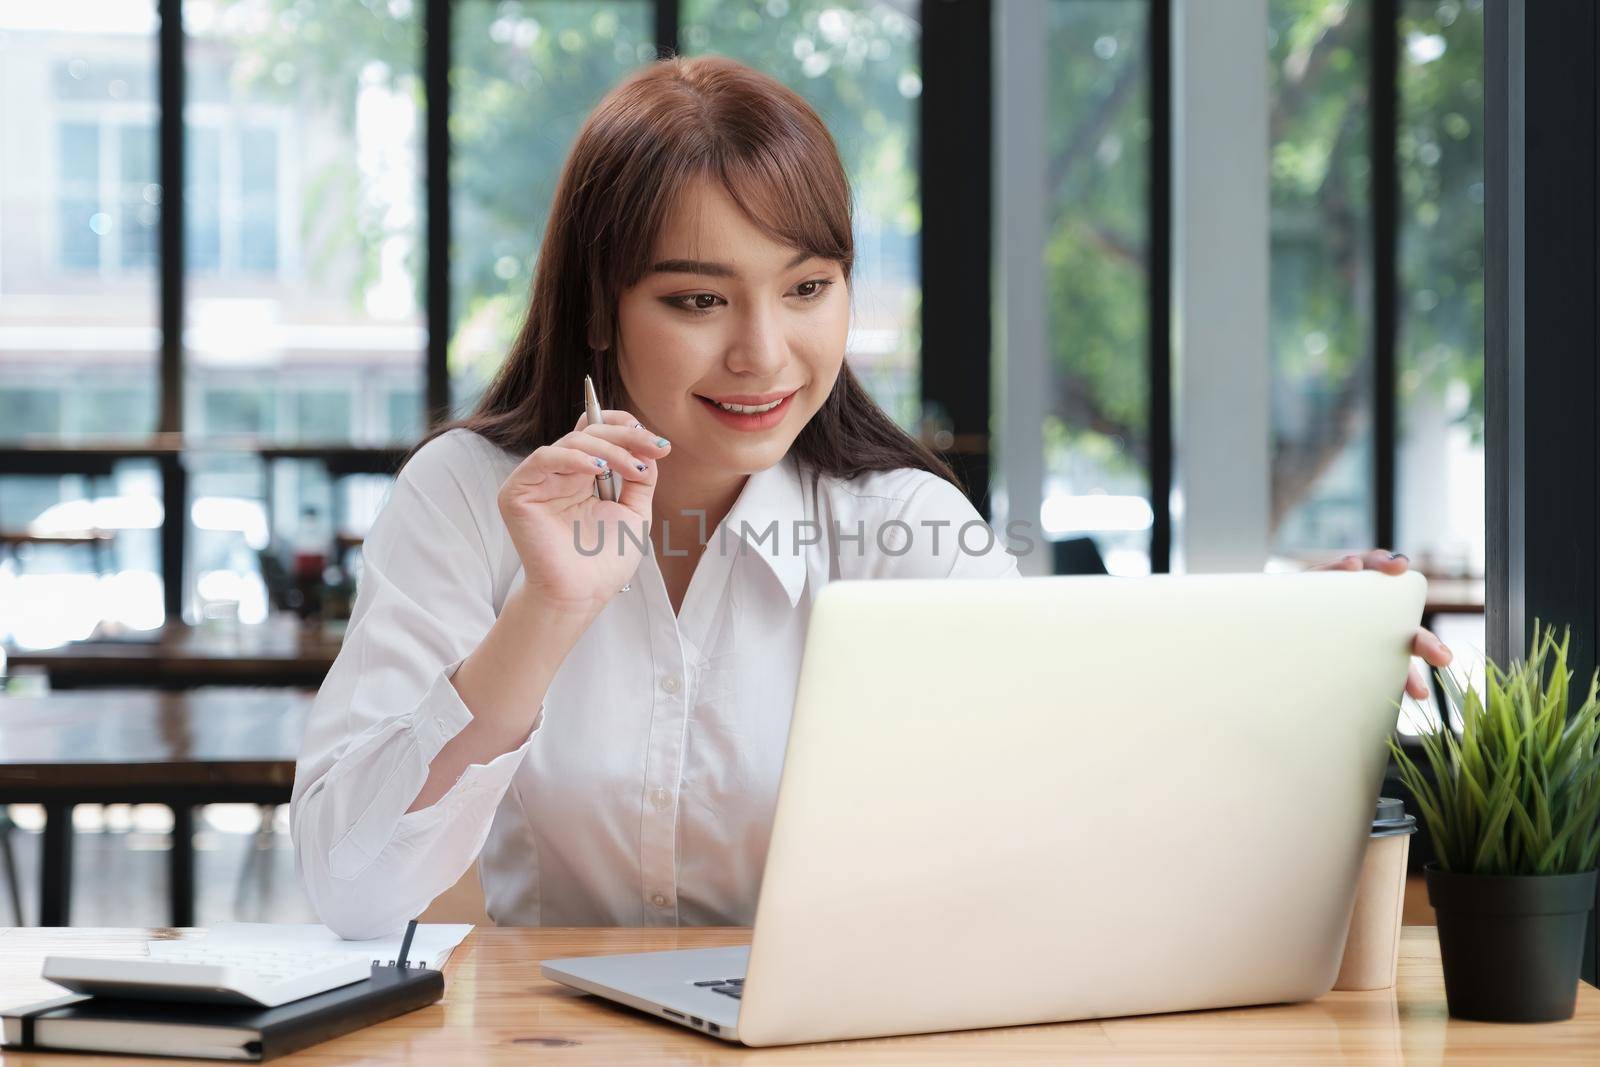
(113, 746)
(498, 1010)
(178, 656)
(1454, 596)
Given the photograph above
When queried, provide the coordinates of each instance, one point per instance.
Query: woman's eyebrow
(715, 270)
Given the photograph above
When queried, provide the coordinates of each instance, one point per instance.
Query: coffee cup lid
(1391, 819)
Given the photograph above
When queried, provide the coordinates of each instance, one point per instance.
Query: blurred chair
(1077, 555)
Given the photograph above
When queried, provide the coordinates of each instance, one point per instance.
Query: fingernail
(662, 442)
(638, 426)
(1400, 555)
(641, 466)
(599, 461)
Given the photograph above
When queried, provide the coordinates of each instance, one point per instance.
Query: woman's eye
(703, 303)
(697, 308)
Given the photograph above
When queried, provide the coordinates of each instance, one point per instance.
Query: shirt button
(660, 798)
(659, 900)
(670, 683)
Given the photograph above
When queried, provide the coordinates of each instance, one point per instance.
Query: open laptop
(1036, 800)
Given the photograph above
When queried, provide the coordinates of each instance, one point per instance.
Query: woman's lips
(762, 421)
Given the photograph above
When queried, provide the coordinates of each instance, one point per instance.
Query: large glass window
(856, 62)
(1439, 469)
(1096, 432)
(524, 75)
(305, 263)
(303, 144)
(1320, 320)
(80, 206)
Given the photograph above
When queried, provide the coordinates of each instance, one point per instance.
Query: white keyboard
(256, 978)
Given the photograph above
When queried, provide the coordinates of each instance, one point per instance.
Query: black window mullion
(1383, 112)
(1158, 285)
(436, 193)
(170, 67)
(174, 486)
(954, 153)
(1542, 334)
(666, 28)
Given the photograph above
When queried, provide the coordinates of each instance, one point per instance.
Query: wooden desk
(279, 652)
(498, 1010)
(110, 746)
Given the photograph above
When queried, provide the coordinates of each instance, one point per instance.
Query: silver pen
(605, 485)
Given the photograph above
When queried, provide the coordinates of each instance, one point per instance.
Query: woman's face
(725, 316)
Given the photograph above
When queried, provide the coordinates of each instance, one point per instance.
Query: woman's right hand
(550, 508)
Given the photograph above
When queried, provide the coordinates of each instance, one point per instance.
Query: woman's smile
(746, 411)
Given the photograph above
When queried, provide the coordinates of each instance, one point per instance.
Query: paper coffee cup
(1372, 950)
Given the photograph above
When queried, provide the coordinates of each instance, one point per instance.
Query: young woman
(594, 695)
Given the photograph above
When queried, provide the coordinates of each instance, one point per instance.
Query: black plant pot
(1511, 945)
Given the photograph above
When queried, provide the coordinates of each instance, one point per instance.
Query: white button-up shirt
(644, 794)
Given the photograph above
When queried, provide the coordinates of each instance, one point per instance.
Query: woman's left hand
(1433, 651)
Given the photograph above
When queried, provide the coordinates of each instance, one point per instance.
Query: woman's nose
(760, 347)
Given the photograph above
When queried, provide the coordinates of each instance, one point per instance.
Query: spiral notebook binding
(401, 961)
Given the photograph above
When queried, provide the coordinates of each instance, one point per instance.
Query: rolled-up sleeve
(387, 707)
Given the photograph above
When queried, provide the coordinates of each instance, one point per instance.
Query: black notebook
(215, 1031)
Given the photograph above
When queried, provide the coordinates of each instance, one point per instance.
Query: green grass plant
(1517, 790)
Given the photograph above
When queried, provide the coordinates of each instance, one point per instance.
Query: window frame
(956, 358)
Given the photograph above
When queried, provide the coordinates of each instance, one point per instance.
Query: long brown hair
(675, 120)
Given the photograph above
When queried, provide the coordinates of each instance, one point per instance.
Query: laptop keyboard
(732, 987)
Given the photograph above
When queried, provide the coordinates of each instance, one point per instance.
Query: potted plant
(1513, 807)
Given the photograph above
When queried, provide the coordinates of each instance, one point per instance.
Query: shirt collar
(768, 520)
